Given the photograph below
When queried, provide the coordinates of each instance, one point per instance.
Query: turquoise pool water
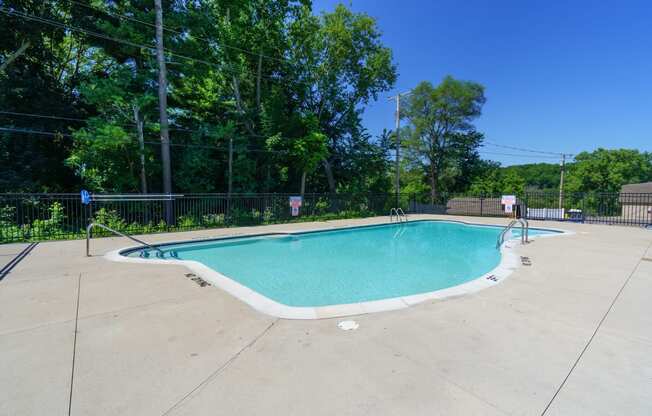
(352, 265)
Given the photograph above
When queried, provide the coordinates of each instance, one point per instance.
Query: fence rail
(634, 209)
(36, 217)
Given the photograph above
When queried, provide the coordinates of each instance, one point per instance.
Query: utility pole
(230, 183)
(561, 181)
(397, 97)
(163, 112)
(141, 148)
(230, 165)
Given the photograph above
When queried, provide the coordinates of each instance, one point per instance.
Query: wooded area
(263, 96)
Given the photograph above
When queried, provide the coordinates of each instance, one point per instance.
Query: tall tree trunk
(303, 184)
(329, 175)
(163, 110)
(15, 55)
(433, 183)
(141, 145)
(240, 105)
(259, 75)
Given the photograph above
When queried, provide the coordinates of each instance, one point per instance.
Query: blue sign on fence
(85, 197)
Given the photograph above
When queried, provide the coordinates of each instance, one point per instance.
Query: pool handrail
(400, 215)
(400, 212)
(525, 231)
(391, 214)
(97, 224)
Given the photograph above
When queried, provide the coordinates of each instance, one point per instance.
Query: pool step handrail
(525, 231)
(97, 224)
(400, 212)
(391, 214)
(400, 215)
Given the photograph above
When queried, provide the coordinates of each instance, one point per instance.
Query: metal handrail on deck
(96, 224)
(525, 230)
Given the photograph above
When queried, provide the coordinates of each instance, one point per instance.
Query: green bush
(54, 227)
(51, 227)
(111, 219)
(212, 220)
(187, 221)
(9, 231)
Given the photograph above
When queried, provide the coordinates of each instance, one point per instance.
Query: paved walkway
(569, 335)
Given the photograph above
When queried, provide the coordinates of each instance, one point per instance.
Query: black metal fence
(613, 208)
(34, 217)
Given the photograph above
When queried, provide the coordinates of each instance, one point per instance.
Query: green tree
(441, 129)
(124, 99)
(305, 150)
(538, 176)
(39, 73)
(245, 67)
(606, 170)
(340, 64)
(511, 183)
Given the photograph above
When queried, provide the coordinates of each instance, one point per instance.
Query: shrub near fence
(37, 217)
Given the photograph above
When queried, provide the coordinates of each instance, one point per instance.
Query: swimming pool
(377, 267)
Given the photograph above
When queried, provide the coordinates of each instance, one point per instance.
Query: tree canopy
(608, 170)
(286, 86)
(441, 136)
(281, 87)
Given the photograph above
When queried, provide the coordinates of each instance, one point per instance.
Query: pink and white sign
(508, 201)
(295, 204)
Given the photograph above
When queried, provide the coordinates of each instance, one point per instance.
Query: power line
(60, 134)
(25, 131)
(522, 149)
(517, 155)
(46, 116)
(177, 31)
(123, 41)
(50, 117)
(200, 146)
(15, 113)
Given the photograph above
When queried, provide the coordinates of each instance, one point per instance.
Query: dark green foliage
(607, 170)
(258, 70)
(537, 176)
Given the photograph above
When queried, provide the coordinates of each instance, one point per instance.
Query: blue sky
(562, 76)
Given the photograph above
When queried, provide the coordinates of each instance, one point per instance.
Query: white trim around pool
(508, 263)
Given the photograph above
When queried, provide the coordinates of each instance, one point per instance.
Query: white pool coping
(508, 263)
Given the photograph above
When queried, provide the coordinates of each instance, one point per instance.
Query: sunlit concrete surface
(569, 335)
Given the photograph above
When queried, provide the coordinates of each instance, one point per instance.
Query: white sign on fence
(295, 203)
(508, 201)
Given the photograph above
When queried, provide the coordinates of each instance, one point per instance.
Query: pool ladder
(525, 230)
(399, 214)
(104, 227)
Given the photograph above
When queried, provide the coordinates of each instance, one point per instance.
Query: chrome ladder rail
(96, 224)
(400, 215)
(391, 214)
(399, 211)
(525, 231)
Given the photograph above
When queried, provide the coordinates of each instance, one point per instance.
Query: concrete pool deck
(571, 334)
